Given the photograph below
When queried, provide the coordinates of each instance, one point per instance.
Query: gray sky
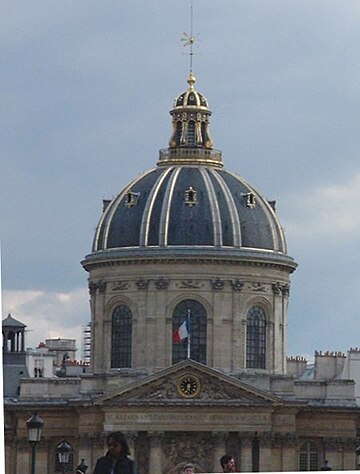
(85, 90)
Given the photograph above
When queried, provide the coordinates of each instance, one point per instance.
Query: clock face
(189, 386)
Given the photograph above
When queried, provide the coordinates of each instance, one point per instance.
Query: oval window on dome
(180, 100)
(191, 99)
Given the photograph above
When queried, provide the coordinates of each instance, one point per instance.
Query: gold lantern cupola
(190, 142)
(190, 119)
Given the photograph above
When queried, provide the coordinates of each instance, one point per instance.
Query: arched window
(69, 466)
(197, 331)
(121, 337)
(256, 338)
(191, 133)
(11, 342)
(203, 133)
(309, 457)
(178, 132)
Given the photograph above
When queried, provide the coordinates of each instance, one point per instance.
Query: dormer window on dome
(191, 196)
(131, 199)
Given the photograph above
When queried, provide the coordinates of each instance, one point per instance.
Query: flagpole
(189, 335)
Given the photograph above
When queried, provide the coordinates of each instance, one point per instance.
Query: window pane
(256, 338)
(191, 133)
(308, 457)
(121, 337)
(197, 328)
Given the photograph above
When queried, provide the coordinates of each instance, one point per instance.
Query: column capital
(219, 436)
(132, 435)
(335, 444)
(155, 438)
(265, 439)
(286, 440)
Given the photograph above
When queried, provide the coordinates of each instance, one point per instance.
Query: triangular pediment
(189, 382)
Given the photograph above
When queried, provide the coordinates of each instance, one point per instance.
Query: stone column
(349, 454)
(246, 463)
(155, 451)
(333, 453)
(85, 449)
(97, 302)
(276, 351)
(98, 447)
(265, 452)
(243, 325)
(23, 455)
(270, 346)
(238, 333)
(139, 329)
(131, 437)
(341, 453)
(219, 448)
(222, 347)
(290, 456)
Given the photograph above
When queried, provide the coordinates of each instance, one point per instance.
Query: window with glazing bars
(198, 323)
(121, 337)
(256, 338)
(309, 457)
(191, 133)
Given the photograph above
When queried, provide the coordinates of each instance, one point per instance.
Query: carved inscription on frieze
(120, 285)
(258, 287)
(192, 284)
(153, 419)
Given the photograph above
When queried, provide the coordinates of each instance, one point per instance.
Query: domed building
(189, 282)
(189, 236)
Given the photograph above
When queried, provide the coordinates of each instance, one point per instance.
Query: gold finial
(191, 80)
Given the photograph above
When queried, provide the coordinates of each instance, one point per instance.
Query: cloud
(49, 314)
(330, 211)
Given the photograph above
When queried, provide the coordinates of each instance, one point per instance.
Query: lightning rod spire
(189, 39)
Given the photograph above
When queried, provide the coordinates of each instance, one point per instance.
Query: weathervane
(189, 39)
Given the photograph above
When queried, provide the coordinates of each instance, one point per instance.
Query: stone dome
(189, 204)
(182, 206)
(189, 235)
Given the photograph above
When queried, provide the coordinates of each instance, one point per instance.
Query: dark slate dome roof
(189, 206)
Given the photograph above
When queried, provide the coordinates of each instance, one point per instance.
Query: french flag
(182, 332)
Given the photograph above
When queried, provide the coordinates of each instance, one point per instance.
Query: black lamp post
(63, 450)
(34, 425)
(82, 467)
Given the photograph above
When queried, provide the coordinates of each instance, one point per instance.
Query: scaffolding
(86, 343)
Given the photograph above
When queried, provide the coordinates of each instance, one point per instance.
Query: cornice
(191, 255)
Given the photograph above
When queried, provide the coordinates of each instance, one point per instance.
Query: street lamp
(82, 467)
(63, 450)
(34, 425)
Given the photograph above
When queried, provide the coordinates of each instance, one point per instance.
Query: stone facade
(166, 429)
(188, 231)
(152, 289)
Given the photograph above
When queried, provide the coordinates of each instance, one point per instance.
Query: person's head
(117, 444)
(189, 469)
(227, 463)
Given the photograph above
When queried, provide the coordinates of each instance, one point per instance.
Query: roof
(9, 321)
(194, 206)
